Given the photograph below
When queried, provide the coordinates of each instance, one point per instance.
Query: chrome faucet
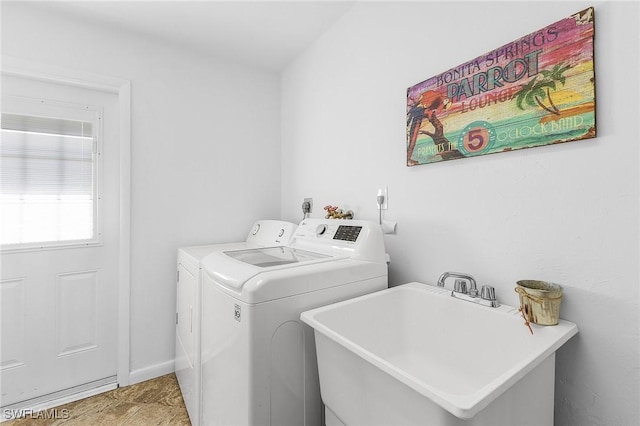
(487, 295)
(473, 290)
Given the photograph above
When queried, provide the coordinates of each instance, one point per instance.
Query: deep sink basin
(382, 355)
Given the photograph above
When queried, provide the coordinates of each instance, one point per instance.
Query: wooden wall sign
(537, 90)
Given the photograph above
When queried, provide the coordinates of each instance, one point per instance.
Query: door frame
(18, 67)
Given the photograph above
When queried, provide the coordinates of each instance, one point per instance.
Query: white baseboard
(151, 372)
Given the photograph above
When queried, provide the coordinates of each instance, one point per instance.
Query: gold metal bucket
(540, 301)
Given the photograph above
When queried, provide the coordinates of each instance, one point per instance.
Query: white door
(59, 295)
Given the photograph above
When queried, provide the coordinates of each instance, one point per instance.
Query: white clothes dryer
(258, 359)
(188, 307)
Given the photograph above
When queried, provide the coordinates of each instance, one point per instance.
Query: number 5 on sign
(477, 137)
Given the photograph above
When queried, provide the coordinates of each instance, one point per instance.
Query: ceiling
(260, 33)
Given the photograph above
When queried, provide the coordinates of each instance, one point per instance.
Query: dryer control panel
(271, 233)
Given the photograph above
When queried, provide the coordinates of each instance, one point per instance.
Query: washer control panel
(359, 239)
(347, 233)
(321, 229)
(340, 232)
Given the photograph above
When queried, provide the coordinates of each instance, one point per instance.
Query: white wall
(565, 213)
(204, 166)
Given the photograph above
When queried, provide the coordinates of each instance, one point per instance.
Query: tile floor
(154, 402)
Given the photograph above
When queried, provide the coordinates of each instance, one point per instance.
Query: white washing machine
(188, 307)
(258, 359)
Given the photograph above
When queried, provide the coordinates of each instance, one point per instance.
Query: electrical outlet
(310, 201)
(385, 202)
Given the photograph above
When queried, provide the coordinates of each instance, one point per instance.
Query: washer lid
(273, 256)
(233, 268)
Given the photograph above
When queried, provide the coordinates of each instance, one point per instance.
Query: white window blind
(47, 179)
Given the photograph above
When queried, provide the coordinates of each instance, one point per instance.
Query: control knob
(321, 229)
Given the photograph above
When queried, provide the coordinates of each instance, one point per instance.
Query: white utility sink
(414, 355)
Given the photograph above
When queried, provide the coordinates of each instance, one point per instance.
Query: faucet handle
(488, 293)
(460, 286)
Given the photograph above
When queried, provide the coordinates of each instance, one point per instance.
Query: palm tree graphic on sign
(536, 92)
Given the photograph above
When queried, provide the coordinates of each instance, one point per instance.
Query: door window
(49, 165)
